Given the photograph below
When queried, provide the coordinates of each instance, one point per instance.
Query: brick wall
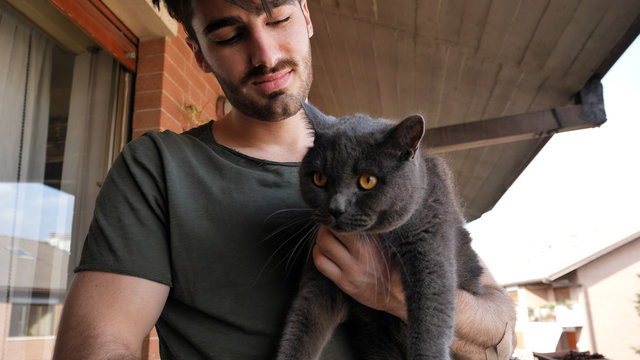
(170, 86)
(150, 346)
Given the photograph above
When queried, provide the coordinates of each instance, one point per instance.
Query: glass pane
(31, 320)
(35, 215)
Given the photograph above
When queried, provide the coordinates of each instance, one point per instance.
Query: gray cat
(368, 176)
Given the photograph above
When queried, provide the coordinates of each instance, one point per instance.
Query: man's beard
(278, 105)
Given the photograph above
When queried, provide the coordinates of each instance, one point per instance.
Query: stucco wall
(610, 285)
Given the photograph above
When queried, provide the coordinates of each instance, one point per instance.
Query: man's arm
(485, 323)
(107, 316)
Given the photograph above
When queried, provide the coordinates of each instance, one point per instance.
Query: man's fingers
(358, 268)
(331, 247)
(325, 265)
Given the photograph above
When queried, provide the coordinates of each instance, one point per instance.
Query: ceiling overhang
(494, 79)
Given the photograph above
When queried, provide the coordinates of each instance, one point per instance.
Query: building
(590, 305)
(28, 321)
(81, 78)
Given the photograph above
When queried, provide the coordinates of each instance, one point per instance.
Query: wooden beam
(588, 113)
(55, 24)
(93, 17)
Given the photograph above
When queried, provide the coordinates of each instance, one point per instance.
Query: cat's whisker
(312, 231)
(387, 268)
(291, 224)
(282, 211)
(304, 240)
(378, 273)
(398, 258)
(302, 217)
(264, 268)
(371, 264)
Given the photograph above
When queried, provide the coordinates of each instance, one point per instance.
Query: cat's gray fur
(415, 217)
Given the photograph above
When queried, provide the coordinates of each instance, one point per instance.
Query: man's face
(262, 64)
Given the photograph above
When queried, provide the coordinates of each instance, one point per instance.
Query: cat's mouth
(348, 225)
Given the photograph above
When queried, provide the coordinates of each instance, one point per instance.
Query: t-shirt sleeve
(129, 231)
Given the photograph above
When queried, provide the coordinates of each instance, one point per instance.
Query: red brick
(175, 92)
(151, 64)
(210, 93)
(178, 54)
(146, 119)
(189, 65)
(152, 47)
(150, 81)
(193, 72)
(170, 124)
(174, 72)
(177, 79)
(147, 100)
(154, 120)
(181, 32)
(212, 83)
(172, 107)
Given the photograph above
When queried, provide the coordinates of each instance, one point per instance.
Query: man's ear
(197, 53)
(307, 18)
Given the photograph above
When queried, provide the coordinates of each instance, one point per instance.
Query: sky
(579, 194)
(34, 211)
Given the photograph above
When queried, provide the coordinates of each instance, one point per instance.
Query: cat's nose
(338, 205)
(336, 212)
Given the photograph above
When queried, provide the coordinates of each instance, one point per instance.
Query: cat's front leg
(318, 308)
(429, 284)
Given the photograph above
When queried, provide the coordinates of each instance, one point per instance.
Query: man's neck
(281, 141)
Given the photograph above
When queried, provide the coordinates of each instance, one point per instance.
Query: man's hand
(484, 323)
(356, 266)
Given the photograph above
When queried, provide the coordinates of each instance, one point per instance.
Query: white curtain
(25, 84)
(86, 147)
(29, 209)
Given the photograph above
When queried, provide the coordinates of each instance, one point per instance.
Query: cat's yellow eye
(367, 181)
(319, 179)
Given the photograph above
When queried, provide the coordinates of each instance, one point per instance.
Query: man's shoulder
(199, 132)
(162, 141)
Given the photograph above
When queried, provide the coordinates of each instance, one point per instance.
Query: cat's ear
(405, 137)
(315, 116)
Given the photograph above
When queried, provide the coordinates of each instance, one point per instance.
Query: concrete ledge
(142, 18)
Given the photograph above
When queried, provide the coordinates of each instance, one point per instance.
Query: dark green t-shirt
(190, 213)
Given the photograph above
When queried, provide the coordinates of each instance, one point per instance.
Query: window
(31, 320)
(65, 118)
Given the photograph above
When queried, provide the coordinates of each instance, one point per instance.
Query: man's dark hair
(182, 10)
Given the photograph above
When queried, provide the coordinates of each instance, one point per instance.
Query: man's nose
(265, 49)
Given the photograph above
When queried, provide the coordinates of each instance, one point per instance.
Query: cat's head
(362, 174)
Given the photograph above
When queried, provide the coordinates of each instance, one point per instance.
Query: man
(176, 239)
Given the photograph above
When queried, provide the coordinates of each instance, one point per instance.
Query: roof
(31, 264)
(459, 62)
(561, 269)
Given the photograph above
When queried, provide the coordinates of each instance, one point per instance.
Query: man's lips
(272, 82)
